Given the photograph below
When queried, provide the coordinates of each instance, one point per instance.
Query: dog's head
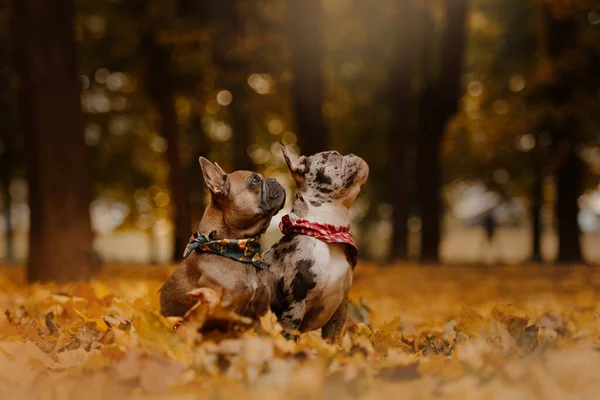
(245, 200)
(327, 177)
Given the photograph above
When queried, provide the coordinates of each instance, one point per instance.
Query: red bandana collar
(324, 232)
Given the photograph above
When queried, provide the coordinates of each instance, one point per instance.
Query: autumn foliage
(413, 332)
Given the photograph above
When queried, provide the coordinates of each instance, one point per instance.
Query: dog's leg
(334, 326)
(289, 336)
(291, 320)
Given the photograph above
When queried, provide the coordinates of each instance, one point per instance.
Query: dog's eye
(255, 180)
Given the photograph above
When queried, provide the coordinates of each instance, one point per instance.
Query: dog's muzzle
(273, 195)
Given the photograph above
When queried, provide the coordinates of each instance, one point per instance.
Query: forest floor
(414, 332)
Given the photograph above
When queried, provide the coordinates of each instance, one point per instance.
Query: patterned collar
(243, 250)
(324, 232)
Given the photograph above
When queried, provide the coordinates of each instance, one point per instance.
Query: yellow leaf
(101, 326)
(387, 336)
(156, 336)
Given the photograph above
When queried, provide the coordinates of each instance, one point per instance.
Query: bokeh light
(275, 126)
(101, 75)
(516, 82)
(525, 142)
(475, 88)
(261, 83)
(224, 97)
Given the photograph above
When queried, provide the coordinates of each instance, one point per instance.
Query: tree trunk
(537, 199)
(159, 88)
(438, 104)
(7, 161)
(568, 188)
(561, 39)
(6, 171)
(400, 99)
(429, 183)
(308, 88)
(60, 234)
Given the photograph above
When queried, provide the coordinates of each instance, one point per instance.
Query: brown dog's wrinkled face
(327, 177)
(246, 199)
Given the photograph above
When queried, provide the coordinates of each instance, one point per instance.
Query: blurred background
(479, 119)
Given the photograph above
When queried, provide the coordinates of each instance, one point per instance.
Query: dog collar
(243, 250)
(324, 232)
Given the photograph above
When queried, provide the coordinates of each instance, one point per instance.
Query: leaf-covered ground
(414, 332)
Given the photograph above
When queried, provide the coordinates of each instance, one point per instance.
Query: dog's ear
(296, 163)
(215, 177)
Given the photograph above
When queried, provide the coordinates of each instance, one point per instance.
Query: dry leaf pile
(412, 332)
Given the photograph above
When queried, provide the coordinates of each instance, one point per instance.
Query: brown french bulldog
(241, 207)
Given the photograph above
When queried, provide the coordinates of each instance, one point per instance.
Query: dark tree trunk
(438, 104)
(158, 85)
(60, 235)
(7, 163)
(308, 88)
(6, 173)
(537, 198)
(429, 182)
(568, 188)
(561, 39)
(400, 99)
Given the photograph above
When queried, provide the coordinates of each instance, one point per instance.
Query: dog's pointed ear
(215, 177)
(296, 163)
(219, 167)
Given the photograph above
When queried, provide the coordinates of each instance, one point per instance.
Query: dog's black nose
(271, 180)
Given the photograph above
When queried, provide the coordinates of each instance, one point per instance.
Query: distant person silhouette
(490, 225)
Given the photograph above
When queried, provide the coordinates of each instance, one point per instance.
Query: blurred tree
(561, 44)
(505, 147)
(60, 235)
(8, 130)
(159, 87)
(7, 153)
(401, 95)
(228, 53)
(308, 88)
(535, 206)
(438, 103)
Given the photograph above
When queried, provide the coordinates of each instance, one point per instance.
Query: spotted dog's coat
(312, 278)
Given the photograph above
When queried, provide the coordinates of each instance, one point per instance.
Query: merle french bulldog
(312, 265)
